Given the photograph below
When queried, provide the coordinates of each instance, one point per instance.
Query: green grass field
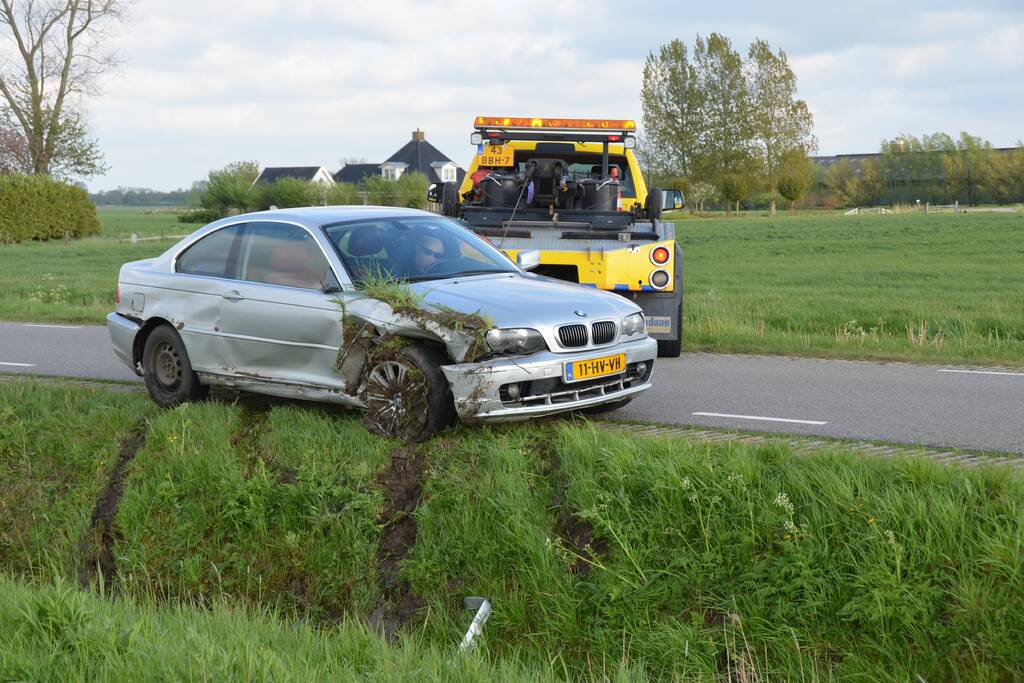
(603, 555)
(937, 287)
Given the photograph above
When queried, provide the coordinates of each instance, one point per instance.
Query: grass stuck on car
(409, 315)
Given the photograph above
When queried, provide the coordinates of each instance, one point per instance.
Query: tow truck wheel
(671, 348)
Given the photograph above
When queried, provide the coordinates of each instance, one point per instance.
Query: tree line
(729, 129)
(233, 189)
(935, 169)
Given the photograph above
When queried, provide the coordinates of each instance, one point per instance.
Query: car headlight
(633, 325)
(515, 340)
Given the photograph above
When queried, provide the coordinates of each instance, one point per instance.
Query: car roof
(315, 216)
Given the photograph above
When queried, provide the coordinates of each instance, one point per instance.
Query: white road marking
(54, 327)
(986, 372)
(19, 365)
(764, 419)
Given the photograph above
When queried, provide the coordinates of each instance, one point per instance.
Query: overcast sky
(308, 82)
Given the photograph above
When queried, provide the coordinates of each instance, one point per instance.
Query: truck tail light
(117, 295)
(660, 256)
(659, 279)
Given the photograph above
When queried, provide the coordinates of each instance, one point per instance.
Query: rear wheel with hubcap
(167, 371)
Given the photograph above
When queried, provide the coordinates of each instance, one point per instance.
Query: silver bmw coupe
(408, 315)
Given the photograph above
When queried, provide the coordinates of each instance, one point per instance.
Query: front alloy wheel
(396, 398)
(407, 396)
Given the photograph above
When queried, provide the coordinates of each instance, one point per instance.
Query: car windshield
(413, 249)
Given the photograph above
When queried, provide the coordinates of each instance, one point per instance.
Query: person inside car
(430, 251)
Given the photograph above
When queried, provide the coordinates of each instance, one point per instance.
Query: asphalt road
(969, 408)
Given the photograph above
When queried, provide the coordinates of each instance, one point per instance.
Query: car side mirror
(434, 193)
(528, 259)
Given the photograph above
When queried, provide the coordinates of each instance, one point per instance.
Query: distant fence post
(135, 238)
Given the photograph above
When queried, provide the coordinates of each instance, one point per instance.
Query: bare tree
(56, 50)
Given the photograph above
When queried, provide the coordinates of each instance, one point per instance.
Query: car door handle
(233, 295)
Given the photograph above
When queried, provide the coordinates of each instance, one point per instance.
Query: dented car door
(277, 323)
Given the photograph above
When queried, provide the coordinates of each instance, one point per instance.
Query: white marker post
(483, 613)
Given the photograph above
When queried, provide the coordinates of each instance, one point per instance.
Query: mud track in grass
(98, 562)
(402, 483)
(576, 533)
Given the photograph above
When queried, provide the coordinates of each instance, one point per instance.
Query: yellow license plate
(595, 367)
(496, 155)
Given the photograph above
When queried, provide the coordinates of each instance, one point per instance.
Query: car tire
(407, 395)
(167, 370)
(605, 407)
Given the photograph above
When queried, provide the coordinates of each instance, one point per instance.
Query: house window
(392, 172)
(448, 174)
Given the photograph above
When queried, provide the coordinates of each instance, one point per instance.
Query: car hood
(514, 300)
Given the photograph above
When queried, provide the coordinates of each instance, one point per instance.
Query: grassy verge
(694, 560)
(57, 446)
(602, 554)
(275, 507)
(74, 283)
(58, 633)
(909, 287)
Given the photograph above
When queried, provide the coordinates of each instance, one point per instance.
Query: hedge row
(40, 208)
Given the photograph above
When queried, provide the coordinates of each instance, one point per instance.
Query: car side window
(211, 256)
(282, 254)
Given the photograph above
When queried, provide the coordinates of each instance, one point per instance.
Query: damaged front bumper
(482, 390)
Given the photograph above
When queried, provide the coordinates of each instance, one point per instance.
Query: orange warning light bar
(571, 124)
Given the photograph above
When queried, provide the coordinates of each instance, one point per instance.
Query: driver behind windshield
(430, 251)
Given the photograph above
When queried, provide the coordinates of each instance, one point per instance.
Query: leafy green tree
(230, 188)
(843, 182)
(970, 168)
(724, 148)
(673, 110)
(871, 185)
(793, 175)
(735, 188)
(412, 190)
(1007, 185)
(380, 191)
(341, 194)
(288, 193)
(780, 122)
(700, 192)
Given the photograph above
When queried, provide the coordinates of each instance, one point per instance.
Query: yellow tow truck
(572, 190)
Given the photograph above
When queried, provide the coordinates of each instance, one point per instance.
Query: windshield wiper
(478, 272)
(448, 276)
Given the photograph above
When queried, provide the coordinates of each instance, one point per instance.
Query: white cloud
(309, 82)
